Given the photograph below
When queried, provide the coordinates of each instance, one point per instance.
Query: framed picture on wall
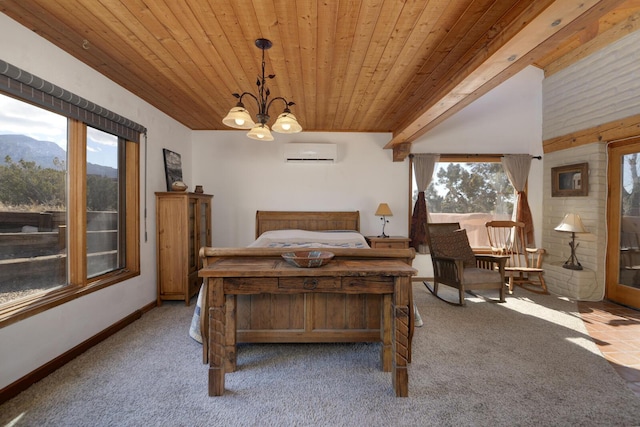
(172, 167)
(570, 180)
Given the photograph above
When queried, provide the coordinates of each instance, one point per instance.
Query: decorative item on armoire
(179, 186)
(172, 169)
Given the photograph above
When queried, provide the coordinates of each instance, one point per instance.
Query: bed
(311, 317)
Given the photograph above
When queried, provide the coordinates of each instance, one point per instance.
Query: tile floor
(616, 331)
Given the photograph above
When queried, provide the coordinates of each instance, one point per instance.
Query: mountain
(31, 150)
(21, 147)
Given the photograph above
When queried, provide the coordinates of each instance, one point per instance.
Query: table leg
(204, 321)
(217, 320)
(230, 334)
(401, 319)
(412, 320)
(386, 333)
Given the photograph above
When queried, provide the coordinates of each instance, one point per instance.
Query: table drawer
(391, 245)
(373, 285)
(310, 283)
(250, 285)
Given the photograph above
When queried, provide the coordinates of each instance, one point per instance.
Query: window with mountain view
(33, 200)
(68, 216)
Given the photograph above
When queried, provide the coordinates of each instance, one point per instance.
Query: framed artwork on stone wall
(570, 180)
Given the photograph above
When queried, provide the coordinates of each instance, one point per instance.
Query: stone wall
(598, 89)
(591, 250)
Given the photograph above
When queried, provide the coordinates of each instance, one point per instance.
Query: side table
(391, 242)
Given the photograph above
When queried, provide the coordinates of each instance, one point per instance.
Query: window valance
(33, 89)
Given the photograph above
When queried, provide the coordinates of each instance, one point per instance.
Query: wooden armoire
(183, 226)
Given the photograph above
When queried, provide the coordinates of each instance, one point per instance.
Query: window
(33, 200)
(69, 209)
(103, 203)
(469, 192)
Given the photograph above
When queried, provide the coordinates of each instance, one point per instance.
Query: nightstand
(391, 242)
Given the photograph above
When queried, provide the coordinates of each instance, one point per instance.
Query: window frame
(452, 158)
(78, 285)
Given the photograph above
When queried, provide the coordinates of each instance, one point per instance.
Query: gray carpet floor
(527, 362)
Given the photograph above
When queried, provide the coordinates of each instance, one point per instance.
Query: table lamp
(383, 211)
(571, 223)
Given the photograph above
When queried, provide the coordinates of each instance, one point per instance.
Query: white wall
(245, 175)
(28, 344)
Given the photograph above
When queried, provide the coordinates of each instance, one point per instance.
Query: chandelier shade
(260, 132)
(239, 118)
(287, 123)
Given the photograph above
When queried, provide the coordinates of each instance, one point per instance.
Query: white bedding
(310, 239)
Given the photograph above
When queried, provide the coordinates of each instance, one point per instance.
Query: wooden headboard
(312, 221)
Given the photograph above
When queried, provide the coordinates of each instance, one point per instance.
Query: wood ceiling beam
(494, 61)
(606, 132)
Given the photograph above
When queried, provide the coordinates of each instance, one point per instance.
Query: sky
(21, 118)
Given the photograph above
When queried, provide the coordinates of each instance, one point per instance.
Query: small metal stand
(572, 263)
(384, 222)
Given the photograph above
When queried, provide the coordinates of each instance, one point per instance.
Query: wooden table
(227, 277)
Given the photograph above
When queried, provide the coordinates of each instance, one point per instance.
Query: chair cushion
(474, 275)
(455, 245)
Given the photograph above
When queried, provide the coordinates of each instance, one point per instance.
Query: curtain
(423, 165)
(517, 166)
(33, 89)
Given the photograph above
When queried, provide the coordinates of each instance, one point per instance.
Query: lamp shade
(383, 210)
(260, 132)
(571, 223)
(287, 123)
(239, 118)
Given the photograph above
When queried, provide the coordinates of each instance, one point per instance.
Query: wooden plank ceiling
(367, 66)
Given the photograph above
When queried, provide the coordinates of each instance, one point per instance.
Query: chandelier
(239, 117)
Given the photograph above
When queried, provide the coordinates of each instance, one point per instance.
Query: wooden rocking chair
(455, 264)
(524, 267)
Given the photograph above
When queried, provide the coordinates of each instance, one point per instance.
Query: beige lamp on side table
(383, 211)
(571, 223)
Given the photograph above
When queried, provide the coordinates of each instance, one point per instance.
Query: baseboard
(25, 382)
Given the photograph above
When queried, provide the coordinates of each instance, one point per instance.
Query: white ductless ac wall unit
(310, 153)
